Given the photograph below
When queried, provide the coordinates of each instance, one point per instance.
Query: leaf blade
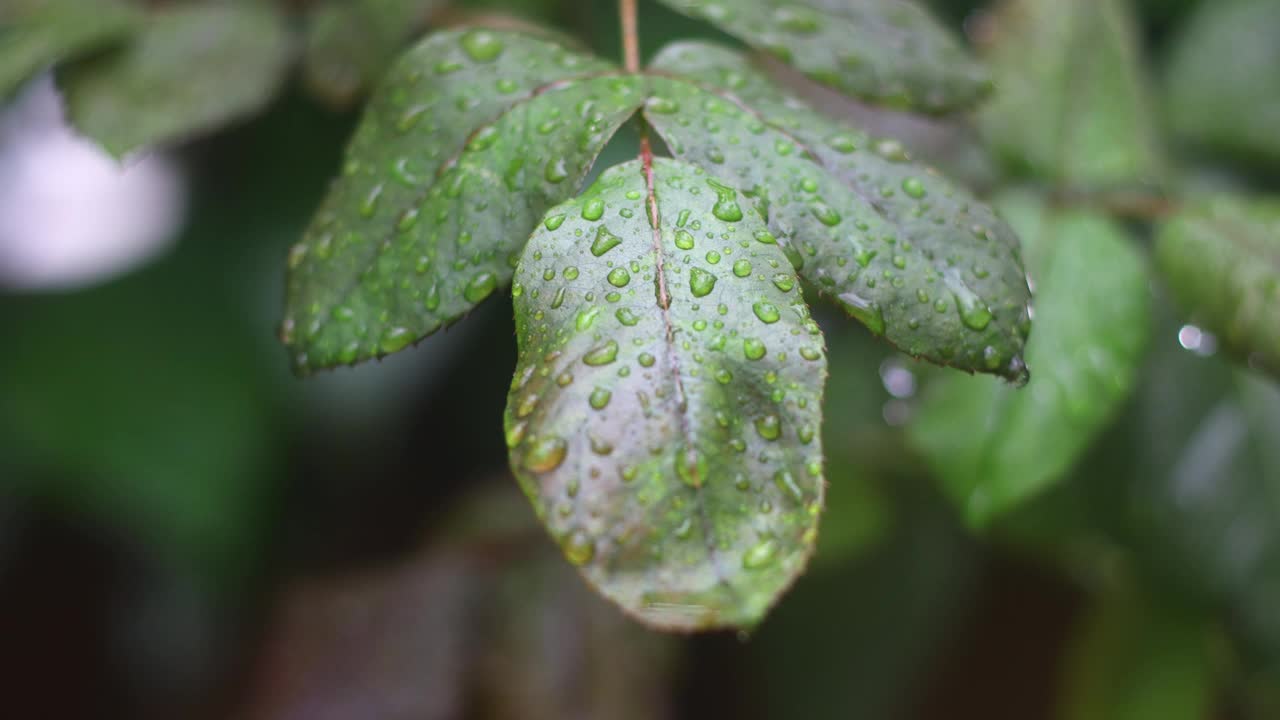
(992, 448)
(650, 430)
(449, 191)
(891, 53)
(916, 258)
(189, 70)
(1075, 105)
(1222, 259)
(36, 36)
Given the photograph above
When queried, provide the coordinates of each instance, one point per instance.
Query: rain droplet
(579, 548)
(604, 242)
(593, 210)
(482, 45)
(701, 282)
(767, 312)
(600, 398)
(619, 277)
(603, 355)
(753, 349)
(769, 427)
(546, 454)
(761, 555)
(742, 268)
(480, 287)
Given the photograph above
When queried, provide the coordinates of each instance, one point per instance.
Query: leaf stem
(630, 35)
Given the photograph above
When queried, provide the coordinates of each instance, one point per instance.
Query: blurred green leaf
(145, 405)
(890, 52)
(994, 447)
(1072, 104)
(35, 35)
(905, 251)
(1222, 88)
(369, 279)
(1139, 658)
(669, 443)
(351, 43)
(190, 70)
(1222, 260)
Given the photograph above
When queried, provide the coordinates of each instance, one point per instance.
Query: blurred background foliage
(187, 531)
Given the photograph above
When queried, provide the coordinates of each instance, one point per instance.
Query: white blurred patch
(70, 215)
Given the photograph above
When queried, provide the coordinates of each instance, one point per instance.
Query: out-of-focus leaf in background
(37, 34)
(1222, 91)
(993, 446)
(484, 620)
(351, 43)
(1222, 260)
(190, 69)
(1073, 104)
(887, 52)
(1139, 658)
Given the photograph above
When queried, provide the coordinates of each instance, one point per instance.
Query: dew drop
(546, 454)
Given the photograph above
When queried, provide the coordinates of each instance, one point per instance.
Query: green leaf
(664, 418)
(889, 52)
(1222, 90)
(1139, 658)
(993, 448)
(191, 70)
(913, 256)
(1073, 104)
(1222, 260)
(351, 43)
(475, 133)
(37, 35)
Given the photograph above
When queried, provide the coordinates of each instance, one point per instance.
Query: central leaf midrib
(673, 361)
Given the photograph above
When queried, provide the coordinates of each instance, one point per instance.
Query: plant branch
(630, 35)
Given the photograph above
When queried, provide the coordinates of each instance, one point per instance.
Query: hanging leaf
(38, 35)
(190, 70)
(994, 448)
(912, 256)
(1073, 105)
(476, 133)
(351, 43)
(890, 52)
(1221, 86)
(1222, 260)
(664, 418)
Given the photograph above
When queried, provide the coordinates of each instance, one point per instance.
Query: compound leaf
(890, 52)
(1074, 104)
(477, 133)
(351, 43)
(913, 256)
(993, 448)
(1221, 86)
(37, 35)
(1222, 259)
(664, 418)
(190, 69)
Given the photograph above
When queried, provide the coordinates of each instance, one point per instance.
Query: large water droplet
(602, 355)
(604, 242)
(546, 454)
(753, 349)
(865, 311)
(482, 45)
(761, 555)
(579, 548)
(767, 312)
(769, 427)
(701, 282)
(480, 287)
(619, 277)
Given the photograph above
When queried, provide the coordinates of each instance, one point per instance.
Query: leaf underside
(889, 52)
(993, 447)
(664, 418)
(35, 36)
(1222, 260)
(471, 138)
(911, 255)
(189, 70)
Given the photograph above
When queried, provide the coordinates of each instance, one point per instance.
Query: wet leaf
(38, 35)
(665, 415)
(890, 52)
(469, 141)
(351, 43)
(1222, 260)
(190, 70)
(1222, 91)
(993, 448)
(914, 257)
(1074, 104)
